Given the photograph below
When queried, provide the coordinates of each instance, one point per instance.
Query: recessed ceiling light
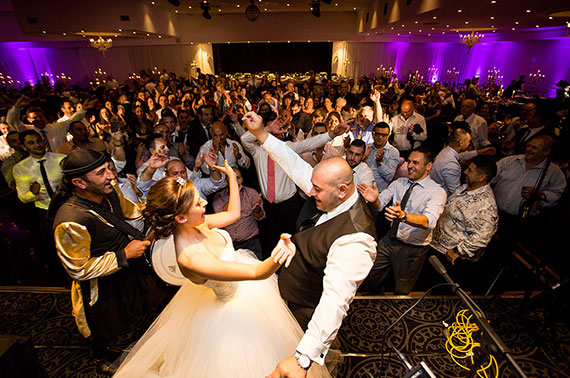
(228, 42)
(148, 35)
(420, 30)
(43, 31)
(159, 36)
(189, 6)
(288, 4)
(219, 10)
(537, 26)
(528, 11)
(288, 41)
(354, 8)
(66, 33)
(265, 9)
(492, 26)
(237, 5)
(494, 31)
(415, 22)
(492, 18)
(446, 26)
(117, 36)
(367, 33)
(432, 28)
(459, 11)
(392, 28)
(248, 42)
(442, 32)
(434, 17)
(176, 11)
(429, 35)
(409, 32)
(82, 31)
(120, 30)
(403, 25)
(493, 2)
(466, 22)
(152, 2)
(309, 41)
(516, 22)
(513, 28)
(550, 18)
(134, 32)
(336, 4)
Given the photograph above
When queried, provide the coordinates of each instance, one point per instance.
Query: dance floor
(539, 341)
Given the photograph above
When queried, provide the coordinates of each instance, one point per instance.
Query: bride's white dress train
(219, 330)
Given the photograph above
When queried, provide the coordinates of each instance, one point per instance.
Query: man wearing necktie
(37, 178)
(416, 204)
(336, 247)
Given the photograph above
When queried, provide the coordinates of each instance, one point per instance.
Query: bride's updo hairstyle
(168, 198)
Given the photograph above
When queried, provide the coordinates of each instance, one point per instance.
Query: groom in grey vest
(336, 248)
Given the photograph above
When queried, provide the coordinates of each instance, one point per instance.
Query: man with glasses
(409, 128)
(383, 158)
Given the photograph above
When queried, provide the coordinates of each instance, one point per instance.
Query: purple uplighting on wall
(27, 61)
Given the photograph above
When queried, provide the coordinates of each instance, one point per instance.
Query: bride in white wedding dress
(227, 319)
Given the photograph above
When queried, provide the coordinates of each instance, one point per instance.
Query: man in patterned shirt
(470, 217)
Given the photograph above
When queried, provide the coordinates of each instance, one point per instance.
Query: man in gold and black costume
(103, 254)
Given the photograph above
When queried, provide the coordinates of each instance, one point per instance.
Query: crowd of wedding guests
(442, 168)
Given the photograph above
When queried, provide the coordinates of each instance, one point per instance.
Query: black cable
(396, 322)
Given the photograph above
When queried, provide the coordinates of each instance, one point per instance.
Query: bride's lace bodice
(224, 290)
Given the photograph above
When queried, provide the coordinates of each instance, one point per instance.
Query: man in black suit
(534, 127)
(199, 129)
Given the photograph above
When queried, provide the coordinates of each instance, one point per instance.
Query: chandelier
(101, 44)
(470, 40)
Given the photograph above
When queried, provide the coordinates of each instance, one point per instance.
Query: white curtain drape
(24, 61)
(512, 58)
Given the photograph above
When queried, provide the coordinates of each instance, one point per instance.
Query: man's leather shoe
(106, 366)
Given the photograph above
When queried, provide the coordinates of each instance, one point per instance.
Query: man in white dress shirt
(477, 124)
(224, 148)
(327, 270)
(354, 157)
(409, 128)
(37, 178)
(281, 204)
(54, 134)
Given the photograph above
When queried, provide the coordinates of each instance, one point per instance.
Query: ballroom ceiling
(372, 20)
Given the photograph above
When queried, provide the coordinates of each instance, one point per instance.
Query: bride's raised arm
(233, 212)
(208, 266)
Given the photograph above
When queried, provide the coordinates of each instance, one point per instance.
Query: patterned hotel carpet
(44, 316)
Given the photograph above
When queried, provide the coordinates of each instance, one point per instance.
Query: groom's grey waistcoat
(302, 282)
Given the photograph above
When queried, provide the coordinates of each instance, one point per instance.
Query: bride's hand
(229, 171)
(284, 251)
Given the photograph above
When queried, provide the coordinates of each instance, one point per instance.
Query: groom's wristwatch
(303, 361)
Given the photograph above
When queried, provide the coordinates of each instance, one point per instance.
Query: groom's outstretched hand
(284, 251)
(288, 368)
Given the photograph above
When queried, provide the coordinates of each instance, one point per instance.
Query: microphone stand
(483, 324)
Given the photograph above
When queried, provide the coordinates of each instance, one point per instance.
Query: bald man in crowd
(336, 248)
(224, 148)
(476, 123)
(409, 129)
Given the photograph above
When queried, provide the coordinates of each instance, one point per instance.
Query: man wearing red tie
(281, 204)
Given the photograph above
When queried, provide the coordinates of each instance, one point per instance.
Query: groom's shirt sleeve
(349, 261)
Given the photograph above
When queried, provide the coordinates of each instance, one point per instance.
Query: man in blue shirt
(416, 204)
(383, 158)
